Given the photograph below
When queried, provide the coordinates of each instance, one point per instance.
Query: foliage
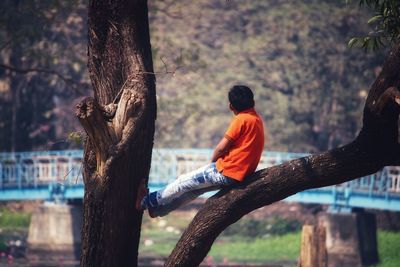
(76, 137)
(42, 55)
(309, 88)
(3, 245)
(12, 224)
(385, 23)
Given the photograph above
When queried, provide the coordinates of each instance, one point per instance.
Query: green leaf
(76, 137)
(374, 19)
(353, 42)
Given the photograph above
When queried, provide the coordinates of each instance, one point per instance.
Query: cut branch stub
(113, 127)
(129, 106)
(91, 116)
(127, 122)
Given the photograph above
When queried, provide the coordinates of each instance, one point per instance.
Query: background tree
(289, 56)
(40, 69)
(385, 22)
(309, 87)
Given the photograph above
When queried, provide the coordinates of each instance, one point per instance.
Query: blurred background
(309, 88)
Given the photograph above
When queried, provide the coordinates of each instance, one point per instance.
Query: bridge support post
(348, 239)
(55, 233)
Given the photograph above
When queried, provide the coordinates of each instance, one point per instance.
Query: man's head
(241, 98)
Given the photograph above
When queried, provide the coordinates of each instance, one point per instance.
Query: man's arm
(222, 148)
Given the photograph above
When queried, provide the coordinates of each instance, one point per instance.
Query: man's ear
(233, 109)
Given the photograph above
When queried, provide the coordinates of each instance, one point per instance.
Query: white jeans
(184, 189)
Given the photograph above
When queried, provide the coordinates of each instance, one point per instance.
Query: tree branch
(74, 84)
(263, 188)
(114, 127)
(127, 121)
(102, 136)
(390, 96)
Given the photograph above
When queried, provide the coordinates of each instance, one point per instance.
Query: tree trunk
(375, 147)
(119, 122)
(17, 142)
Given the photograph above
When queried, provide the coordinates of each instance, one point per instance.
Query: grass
(14, 220)
(269, 249)
(244, 250)
(389, 247)
(285, 248)
(162, 235)
(159, 237)
(12, 224)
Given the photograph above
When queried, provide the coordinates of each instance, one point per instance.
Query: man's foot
(151, 213)
(141, 193)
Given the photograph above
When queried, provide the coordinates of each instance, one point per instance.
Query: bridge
(57, 175)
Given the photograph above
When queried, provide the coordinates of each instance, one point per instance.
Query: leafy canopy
(385, 23)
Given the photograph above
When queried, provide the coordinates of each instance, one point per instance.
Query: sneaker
(152, 213)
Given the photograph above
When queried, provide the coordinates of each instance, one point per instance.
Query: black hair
(241, 97)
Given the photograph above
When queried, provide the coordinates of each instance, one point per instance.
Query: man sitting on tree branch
(236, 156)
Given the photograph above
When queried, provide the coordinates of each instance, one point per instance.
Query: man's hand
(222, 148)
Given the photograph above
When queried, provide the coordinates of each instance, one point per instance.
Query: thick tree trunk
(375, 147)
(119, 122)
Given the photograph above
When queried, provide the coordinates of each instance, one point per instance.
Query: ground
(270, 235)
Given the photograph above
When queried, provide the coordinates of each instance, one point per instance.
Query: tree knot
(109, 111)
(85, 108)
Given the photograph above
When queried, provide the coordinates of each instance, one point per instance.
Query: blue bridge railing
(53, 175)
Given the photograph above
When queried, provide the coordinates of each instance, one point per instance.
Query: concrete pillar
(313, 248)
(55, 232)
(350, 240)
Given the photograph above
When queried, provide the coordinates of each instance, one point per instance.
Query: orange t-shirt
(246, 131)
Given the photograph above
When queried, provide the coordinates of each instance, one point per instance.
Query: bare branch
(4, 46)
(118, 96)
(172, 72)
(73, 83)
(165, 65)
(17, 37)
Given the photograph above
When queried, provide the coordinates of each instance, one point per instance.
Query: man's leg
(162, 210)
(184, 189)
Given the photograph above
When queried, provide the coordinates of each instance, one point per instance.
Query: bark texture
(119, 121)
(375, 147)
